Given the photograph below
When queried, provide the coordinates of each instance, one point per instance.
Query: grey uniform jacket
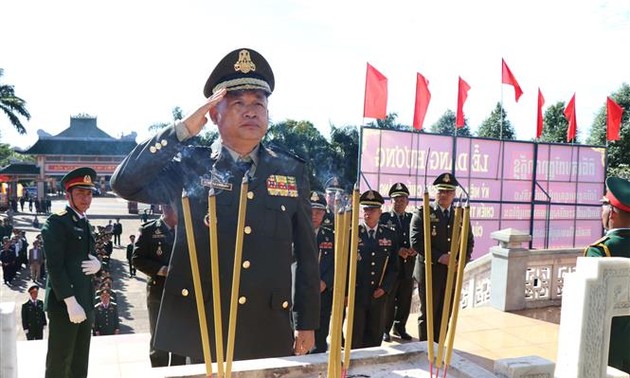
(278, 230)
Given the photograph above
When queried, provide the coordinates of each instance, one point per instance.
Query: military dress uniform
(33, 318)
(151, 252)
(69, 239)
(106, 321)
(616, 243)
(278, 231)
(399, 301)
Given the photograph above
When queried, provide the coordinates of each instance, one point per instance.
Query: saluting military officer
(399, 300)
(278, 227)
(106, 320)
(377, 268)
(616, 243)
(151, 256)
(441, 218)
(71, 266)
(326, 245)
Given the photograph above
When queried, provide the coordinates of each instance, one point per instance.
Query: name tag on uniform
(79, 229)
(215, 184)
(284, 186)
(326, 245)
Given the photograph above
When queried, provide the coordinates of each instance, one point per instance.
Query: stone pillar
(598, 290)
(509, 263)
(8, 343)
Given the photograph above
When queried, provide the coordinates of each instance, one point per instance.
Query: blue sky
(130, 62)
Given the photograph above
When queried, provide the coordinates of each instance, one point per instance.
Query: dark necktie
(446, 214)
(244, 164)
(371, 233)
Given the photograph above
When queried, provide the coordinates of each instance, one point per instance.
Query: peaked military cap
(618, 193)
(241, 69)
(371, 198)
(446, 181)
(333, 185)
(318, 200)
(34, 287)
(83, 177)
(398, 189)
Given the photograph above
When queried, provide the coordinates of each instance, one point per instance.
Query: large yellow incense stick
(448, 291)
(236, 274)
(194, 267)
(216, 288)
(352, 278)
(461, 264)
(428, 273)
(335, 329)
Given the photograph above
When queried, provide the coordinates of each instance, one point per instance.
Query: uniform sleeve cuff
(182, 132)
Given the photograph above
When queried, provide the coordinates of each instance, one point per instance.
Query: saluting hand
(197, 120)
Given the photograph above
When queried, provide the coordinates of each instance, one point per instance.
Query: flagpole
(501, 115)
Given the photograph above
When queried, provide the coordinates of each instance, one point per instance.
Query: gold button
(285, 304)
(250, 195)
(373, 263)
(448, 239)
(283, 208)
(164, 142)
(185, 292)
(246, 264)
(248, 230)
(242, 300)
(152, 149)
(158, 146)
(372, 273)
(373, 253)
(371, 282)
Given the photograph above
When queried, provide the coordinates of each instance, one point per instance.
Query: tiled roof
(20, 169)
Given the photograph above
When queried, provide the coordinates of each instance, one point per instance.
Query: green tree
(178, 115)
(618, 151)
(344, 143)
(8, 155)
(446, 125)
(390, 123)
(555, 124)
(491, 126)
(13, 106)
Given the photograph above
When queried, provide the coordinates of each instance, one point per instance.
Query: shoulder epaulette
(599, 243)
(61, 212)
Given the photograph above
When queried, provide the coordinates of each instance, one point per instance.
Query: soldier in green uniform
(33, 317)
(106, 321)
(441, 219)
(399, 301)
(616, 243)
(71, 266)
(277, 315)
(151, 255)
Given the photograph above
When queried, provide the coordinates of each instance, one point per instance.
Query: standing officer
(326, 244)
(616, 243)
(106, 320)
(441, 218)
(130, 246)
(151, 255)
(70, 265)
(399, 300)
(33, 317)
(334, 192)
(278, 227)
(377, 268)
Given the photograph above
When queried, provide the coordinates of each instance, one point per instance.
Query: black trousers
(321, 346)
(367, 330)
(35, 334)
(68, 346)
(439, 286)
(398, 305)
(159, 357)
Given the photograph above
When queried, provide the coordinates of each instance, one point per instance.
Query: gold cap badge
(447, 178)
(314, 197)
(87, 179)
(370, 195)
(244, 63)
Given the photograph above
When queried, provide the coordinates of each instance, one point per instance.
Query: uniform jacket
(374, 256)
(616, 243)
(40, 256)
(326, 246)
(402, 231)
(33, 317)
(117, 229)
(152, 251)
(441, 230)
(278, 230)
(106, 320)
(68, 241)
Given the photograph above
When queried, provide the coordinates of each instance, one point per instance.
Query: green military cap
(83, 177)
(446, 181)
(318, 200)
(398, 189)
(371, 198)
(618, 193)
(241, 69)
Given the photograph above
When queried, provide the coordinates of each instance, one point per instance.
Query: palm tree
(13, 106)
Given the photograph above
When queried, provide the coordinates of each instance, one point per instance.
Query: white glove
(75, 311)
(91, 266)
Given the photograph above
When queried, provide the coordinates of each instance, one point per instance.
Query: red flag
(462, 94)
(375, 105)
(423, 97)
(508, 78)
(613, 119)
(569, 114)
(539, 119)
